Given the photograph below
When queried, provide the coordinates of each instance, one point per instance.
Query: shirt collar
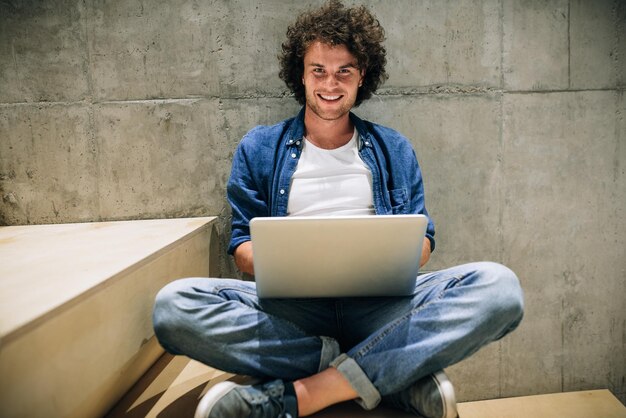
(295, 136)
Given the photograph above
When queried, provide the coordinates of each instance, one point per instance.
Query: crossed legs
(451, 314)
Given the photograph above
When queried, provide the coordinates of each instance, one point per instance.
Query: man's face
(331, 80)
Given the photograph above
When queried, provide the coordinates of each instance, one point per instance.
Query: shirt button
(293, 155)
(297, 142)
(367, 143)
(282, 191)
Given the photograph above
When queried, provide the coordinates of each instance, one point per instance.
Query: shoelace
(276, 403)
(280, 402)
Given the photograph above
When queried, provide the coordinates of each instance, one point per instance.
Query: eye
(348, 71)
(344, 73)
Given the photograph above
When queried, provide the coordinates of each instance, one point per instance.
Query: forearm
(244, 259)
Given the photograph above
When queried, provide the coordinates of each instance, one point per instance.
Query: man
(314, 353)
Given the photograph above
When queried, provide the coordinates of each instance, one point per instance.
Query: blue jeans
(381, 345)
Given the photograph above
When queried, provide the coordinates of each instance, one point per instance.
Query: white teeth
(329, 97)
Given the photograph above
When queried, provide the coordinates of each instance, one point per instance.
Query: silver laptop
(311, 256)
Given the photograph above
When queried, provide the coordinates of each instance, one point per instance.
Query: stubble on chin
(328, 114)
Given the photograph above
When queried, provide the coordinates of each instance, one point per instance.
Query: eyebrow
(349, 65)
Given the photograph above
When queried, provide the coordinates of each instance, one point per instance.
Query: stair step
(583, 404)
(174, 386)
(75, 308)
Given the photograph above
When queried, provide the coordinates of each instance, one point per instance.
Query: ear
(362, 77)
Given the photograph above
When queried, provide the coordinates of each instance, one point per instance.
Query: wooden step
(75, 309)
(173, 387)
(583, 404)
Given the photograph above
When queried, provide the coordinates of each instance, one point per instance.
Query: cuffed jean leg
(220, 322)
(451, 315)
(369, 396)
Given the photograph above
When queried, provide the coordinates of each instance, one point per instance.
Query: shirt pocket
(399, 199)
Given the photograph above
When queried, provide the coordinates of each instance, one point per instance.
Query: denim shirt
(267, 156)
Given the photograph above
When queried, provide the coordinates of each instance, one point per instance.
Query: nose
(331, 80)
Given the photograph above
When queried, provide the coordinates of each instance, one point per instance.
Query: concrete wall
(131, 109)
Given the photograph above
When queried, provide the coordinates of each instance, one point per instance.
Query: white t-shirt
(332, 182)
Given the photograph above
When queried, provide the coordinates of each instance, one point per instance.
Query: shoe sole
(447, 394)
(209, 400)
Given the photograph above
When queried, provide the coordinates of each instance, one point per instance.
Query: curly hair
(333, 24)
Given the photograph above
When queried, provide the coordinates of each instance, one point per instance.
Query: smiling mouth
(329, 97)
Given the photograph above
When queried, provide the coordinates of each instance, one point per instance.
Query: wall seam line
(501, 371)
(385, 94)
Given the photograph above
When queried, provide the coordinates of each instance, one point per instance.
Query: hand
(244, 258)
(425, 252)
